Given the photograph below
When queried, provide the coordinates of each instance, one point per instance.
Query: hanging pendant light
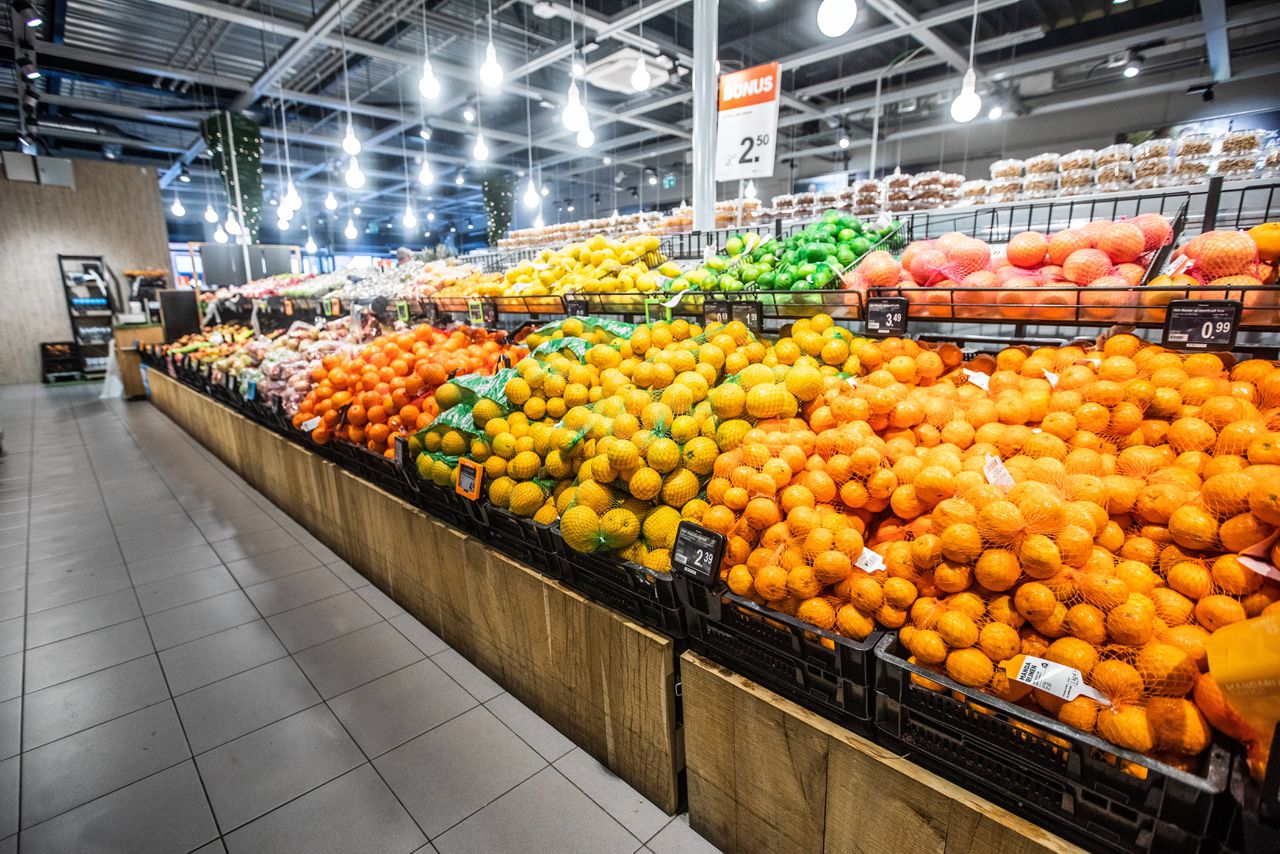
(531, 198)
(232, 225)
(480, 151)
(350, 144)
(586, 137)
(640, 77)
(459, 180)
(350, 231)
(428, 85)
(836, 17)
(425, 175)
(292, 198)
(574, 115)
(331, 202)
(354, 177)
(219, 236)
(491, 70)
(410, 219)
(282, 224)
(538, 222)
(968, 103)
(750, 191)
(310, 245)
(176, 208)
(210, 215)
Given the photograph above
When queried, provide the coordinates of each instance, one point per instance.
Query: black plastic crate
(1071, 783)
(1255, 820)
(827, 673)
(645, 595)
(525, 540)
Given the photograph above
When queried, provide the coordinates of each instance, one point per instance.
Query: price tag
(402, 311)
(697, 552)
(716, 311)
(430, 311)
(1052, 378)
(887, 315)
(173, 371)
(576, 305)
(978, 378)
(1258, 558)
(749, 313)
(401, 446)
(869, 561)
(996, 473)
(747, 125)
(251, 390)
(1201, 324)
(1051, 677)
(490, 313)
(470, 474)
(475, 312)
(311, 423)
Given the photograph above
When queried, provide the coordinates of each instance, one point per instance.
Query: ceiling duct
(614, 71)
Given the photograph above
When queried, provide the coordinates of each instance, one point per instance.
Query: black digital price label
(1201, 324)
(401, 451)
(430, 312)
(716, 311)
(576, 305)
(697, 552)
(749, 313)
(887, 316)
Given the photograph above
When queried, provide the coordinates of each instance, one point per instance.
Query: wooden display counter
(766, 775)
(605, 682)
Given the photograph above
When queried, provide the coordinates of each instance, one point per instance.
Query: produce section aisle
(184, 668)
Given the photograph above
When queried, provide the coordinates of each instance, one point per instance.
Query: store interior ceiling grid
(134, 77)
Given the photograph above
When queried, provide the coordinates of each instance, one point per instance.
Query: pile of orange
(368, 396)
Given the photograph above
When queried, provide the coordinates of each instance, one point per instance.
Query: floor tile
(679, 838)
(177, 522)
(157, 545)
(215, 657)
(164, 812)
(185, 589)
(205, 617)
(271, 565)
(473, 760)
(533, 730)
(12, 603)
(381, 602)
(80, 703)
(88, 556)
(544, 813)
(345, 662)
(13, 578)
(9, 787)
(77, 618)
(82, 585)
(66, 659)
(291, 591)
(392, 709)
(262, 770)
(632, 810)
(421, 637)
(10, 727)
(47, 545)
(10, 676)
(124, 511)
(320, 621)
(349, 574)
(355, 812)
(89, 764)
(231, 707)
(467, 675)
(214, 847)
(220, 527)
(172, 563)
(247, 545)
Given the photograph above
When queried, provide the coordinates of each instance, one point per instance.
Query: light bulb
(410, 219)
(310, 246)
(750, 191)
(836, 17)
(232, 224)
(480, 151)
(574, 115)
(577, 69)
(538, 221)
(615, 213)
(995, 112)
(219, 236)
(282, 224)
(210, 215)
(468, 114)
(1134, 68)
(350, 231)
(586, 137)
(844, 142)
(640, 77)
(425, 175)
(356, 210)
(431, 217)
(491, 69)
(459, 180)
(331, 202)
(285, 213)
(531, 195)
(177, 209)
(545, 191)
(968, 104)
(653, 180)
(354, 177)
(350, 144)
(292, 198)
(428, 85)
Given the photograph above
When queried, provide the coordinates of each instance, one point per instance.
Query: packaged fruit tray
(827, 673)
(643, 594)
(532, 543)
(1098, 795)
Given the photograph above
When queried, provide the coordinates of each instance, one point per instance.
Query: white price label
(997, 474)
(1053, 678)
(747, 126)
(869, 561)
(311, 423)
(1052, 378)
(1258, 558)
(981, 380)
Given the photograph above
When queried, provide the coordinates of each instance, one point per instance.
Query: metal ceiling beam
(1214, 13)
(906, 21)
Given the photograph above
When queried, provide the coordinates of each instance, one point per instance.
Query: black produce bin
(1054, 775)
(525, 540)
(645, 595)
(820, 670)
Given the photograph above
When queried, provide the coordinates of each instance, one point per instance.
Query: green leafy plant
(219, 131)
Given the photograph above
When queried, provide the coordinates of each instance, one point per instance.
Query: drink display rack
(88, 287)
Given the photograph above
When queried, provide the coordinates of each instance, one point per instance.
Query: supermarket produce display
(1042, 551)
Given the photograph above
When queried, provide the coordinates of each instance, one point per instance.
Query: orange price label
(470, 474)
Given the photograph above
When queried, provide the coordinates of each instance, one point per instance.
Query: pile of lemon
(598, 265)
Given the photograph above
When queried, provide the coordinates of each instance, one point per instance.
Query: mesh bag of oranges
(466, 405)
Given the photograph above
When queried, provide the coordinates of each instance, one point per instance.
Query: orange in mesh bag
(1240, 694)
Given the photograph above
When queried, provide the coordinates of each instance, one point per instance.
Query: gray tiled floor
(184, 668)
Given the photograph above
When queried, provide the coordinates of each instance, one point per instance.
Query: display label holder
(1206, 324)
(716, 310)
(402, 311)
(887, 316)
(576, 305)
(470, 476)
(749, 313)
(697, 553)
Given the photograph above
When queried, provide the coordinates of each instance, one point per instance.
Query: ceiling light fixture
(28, 14)
(459, 180)
(750, 191)
(185, 175)
(428, 85)
(310, 246)
(425, 133)
(640, 76)
(350, 144)
(356, 210)
(331, 202)
(586, 137)
(219, 236)
(210, 215)
(531, 194)
(538, 221)
(282, 224)
(176, 208)
(354, 177)
(431, 217)
(232, 225)
(350, 231)
(968, 103)
(996, 112)
(844, 141)
(491, 70)
(1134, 67)
(574, 116)
(836, 17)
(425, 175)
(28, 69)
(410, 219)
(468, 114)
(546, 191)
(480, 151)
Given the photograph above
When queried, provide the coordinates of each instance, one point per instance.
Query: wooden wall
(114, 210)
